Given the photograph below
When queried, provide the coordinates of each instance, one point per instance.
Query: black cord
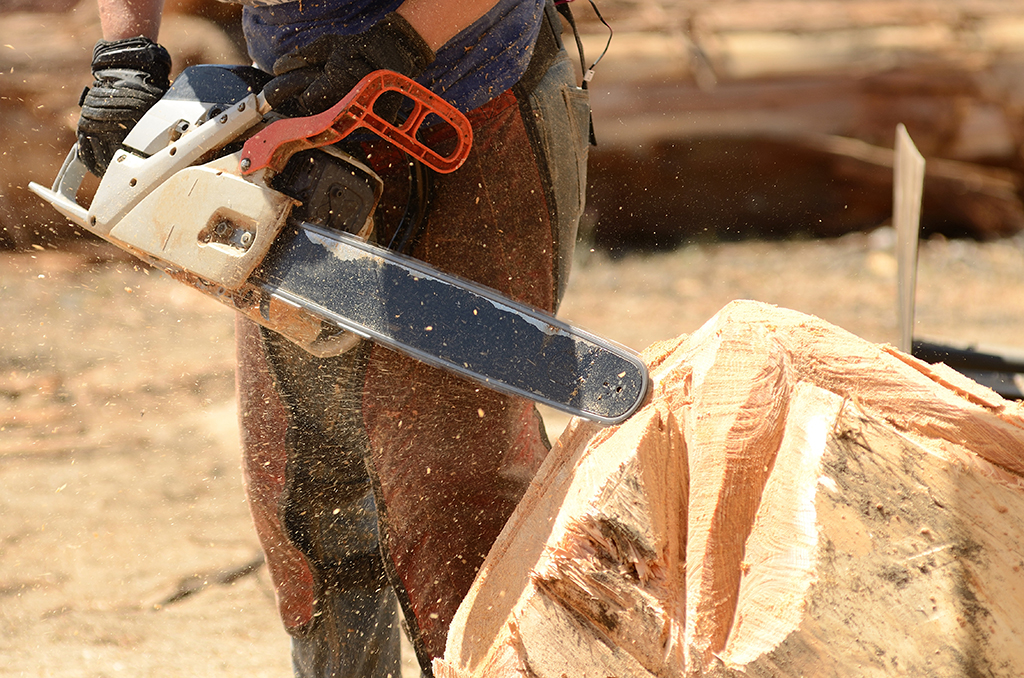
(563, 9)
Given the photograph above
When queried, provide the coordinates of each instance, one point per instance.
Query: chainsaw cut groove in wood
(200, 190)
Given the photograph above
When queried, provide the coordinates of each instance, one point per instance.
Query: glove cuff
(409, 44)
(140, 54)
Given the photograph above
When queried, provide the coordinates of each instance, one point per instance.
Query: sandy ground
(119, 472)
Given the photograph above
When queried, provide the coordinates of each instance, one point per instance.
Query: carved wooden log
(792, 501)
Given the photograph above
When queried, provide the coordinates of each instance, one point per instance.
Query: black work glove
(319, 75)
(130, 76)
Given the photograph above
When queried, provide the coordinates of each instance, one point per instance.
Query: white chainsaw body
(158, 198)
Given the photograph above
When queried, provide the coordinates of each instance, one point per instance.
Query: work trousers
(374, 478)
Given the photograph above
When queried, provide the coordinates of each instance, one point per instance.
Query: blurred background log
(711, 116)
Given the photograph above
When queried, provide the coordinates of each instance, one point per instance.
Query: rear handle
(63, 195)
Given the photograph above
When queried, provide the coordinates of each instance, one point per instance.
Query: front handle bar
(272, 146)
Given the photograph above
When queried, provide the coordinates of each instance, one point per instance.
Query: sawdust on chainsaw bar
(125, 543)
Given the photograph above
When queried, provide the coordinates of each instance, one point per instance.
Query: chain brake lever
(271, 147)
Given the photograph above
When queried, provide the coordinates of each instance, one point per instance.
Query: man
(371, 452)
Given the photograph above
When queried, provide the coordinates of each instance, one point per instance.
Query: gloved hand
(130, 76)
(319, 75)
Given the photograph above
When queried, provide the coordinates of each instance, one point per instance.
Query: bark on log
(792, 501)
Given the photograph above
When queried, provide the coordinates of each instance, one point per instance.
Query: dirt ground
(119, 471)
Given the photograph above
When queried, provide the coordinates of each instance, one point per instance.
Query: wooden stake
(908, 187)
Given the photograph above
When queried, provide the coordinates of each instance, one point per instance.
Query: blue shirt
(472, 68)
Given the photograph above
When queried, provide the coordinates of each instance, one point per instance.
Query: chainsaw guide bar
(454, 324)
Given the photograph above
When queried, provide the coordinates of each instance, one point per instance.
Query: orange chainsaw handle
(275, 144)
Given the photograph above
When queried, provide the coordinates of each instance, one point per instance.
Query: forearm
(130, 18)
(438, 21)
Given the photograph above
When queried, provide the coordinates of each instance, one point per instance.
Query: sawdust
(119, 470)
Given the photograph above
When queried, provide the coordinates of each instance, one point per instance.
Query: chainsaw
(216, 189)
